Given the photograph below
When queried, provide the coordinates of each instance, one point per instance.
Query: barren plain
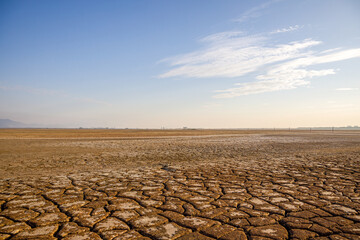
(179, 184)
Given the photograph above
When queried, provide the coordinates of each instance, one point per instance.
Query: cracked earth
(246, 186)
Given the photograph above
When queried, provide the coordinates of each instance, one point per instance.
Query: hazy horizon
(174, 64)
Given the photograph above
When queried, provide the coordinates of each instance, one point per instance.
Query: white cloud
(222, 36)
(232, 54)
(258, 87)
(289, 75)
(288, 29)
(255, 11)
(282, 81)
(347, 89)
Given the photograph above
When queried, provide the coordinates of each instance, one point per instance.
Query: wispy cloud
(288, 29)
(283, 81)
(233, 54)
(347, 89)
(255, 11)
(289, 75)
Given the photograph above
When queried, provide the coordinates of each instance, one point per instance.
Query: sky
(174, 64)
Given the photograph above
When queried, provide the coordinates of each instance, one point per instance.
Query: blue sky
(152, 64)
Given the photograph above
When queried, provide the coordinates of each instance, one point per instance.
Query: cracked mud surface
(247, 186)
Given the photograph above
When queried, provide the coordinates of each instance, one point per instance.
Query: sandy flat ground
(28, 152)
(180, 184)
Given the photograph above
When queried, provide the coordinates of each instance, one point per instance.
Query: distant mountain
(7, 123)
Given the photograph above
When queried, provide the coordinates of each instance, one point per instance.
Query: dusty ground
(97, 184)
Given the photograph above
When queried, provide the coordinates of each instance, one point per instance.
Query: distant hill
(7, 123)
